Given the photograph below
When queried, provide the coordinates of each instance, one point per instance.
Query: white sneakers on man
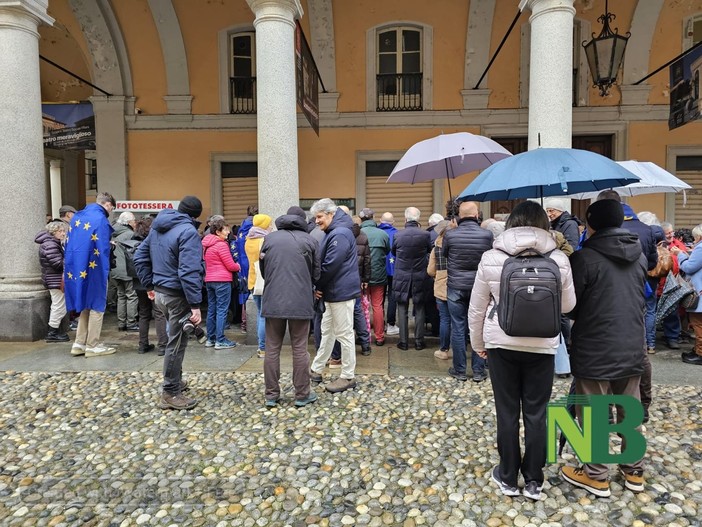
(99, 351)
(392, 330)
(77, 349)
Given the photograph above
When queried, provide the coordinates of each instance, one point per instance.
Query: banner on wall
(68, 126)
(307, 79)
(155, 206)
(685, 100)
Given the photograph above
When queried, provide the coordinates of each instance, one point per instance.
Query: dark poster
(68, 126)
(307, 79)
(685, 102)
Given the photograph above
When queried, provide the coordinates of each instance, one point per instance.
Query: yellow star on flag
(70, 228)
(92, 264)
(86, 226)
(77, 223)
(94, 237)
(96, 252)
(70, 275)
(83, 274)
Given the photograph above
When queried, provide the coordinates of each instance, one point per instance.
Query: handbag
(664, 264)
(690, 297)
(260, 282)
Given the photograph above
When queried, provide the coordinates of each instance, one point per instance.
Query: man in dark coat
(290, 265)
(606, 355)
(411, 248)
(338, 287)
(463, 248)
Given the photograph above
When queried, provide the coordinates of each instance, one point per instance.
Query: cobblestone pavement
(92, 448)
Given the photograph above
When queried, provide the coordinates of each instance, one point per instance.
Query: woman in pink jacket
(219, 266)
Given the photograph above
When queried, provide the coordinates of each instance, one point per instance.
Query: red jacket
(219, 264)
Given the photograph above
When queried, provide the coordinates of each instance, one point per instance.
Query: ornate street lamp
(605, 53)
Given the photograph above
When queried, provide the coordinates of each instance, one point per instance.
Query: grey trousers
(299, 333)
(402, 321)
(174, 309)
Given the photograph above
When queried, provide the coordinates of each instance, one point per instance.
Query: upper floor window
(242, 73)
(693, 31)
(399, 69)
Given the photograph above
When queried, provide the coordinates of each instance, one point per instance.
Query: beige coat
(440, 276)
(485, 333)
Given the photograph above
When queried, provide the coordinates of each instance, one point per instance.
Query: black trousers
(521, 383)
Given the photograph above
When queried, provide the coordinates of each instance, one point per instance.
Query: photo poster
(685, 101)
(68, 126)
(307, 79)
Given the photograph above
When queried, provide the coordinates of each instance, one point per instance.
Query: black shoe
(646, 416)
(688, 354)
(380, 342)
(563, 375)
(366, 351)
(479, 377)
(673, 344)
(55, 336)
(457, 375)
(122, 328)
(73, 325)
(161, 352)
(146, 349)
(133, 327)
(402, 346)
(419, 345)
(692, 359)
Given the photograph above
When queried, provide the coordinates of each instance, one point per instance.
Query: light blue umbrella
(547, 172)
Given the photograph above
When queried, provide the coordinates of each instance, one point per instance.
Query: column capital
(36, 9)
(540, 7)
(284, 10)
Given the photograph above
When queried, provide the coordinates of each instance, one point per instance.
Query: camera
(191, 329)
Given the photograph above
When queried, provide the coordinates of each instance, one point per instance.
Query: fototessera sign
(145, 205)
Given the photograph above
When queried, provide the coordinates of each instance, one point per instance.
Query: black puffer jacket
(50, 259)
(364, 255)
(568, 226)
(608, 340)
(463, 248)
(411, 248)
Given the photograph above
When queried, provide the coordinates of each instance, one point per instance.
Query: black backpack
(129, 247)
(530, 296)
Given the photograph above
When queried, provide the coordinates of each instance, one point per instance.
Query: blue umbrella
(547, 172)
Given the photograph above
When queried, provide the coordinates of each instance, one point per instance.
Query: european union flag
(87, 262)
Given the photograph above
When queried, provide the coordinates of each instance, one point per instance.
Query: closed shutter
(689, 216)
(237, 194)
(396, 197)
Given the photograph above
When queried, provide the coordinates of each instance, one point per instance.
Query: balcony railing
(242, 93)
(398, 92)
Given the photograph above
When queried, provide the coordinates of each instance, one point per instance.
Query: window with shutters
(399, 69)
(396, 197)
(688, 205)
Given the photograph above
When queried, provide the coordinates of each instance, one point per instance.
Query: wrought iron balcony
(399, 92)
(242, 94)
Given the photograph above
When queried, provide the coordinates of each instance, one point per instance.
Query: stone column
(551, 72)
(24, 303)
(55, 167)
(278, 182)
(111, 144)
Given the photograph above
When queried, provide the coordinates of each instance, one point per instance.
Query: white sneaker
(77, 349)
(261, 354)
(99, 351)
(392, 330)
(209, 343)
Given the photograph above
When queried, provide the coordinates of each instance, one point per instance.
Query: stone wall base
(24, 319)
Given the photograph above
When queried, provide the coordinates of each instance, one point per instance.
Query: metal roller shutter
(689, 216)
(237, 194)
(396, 197)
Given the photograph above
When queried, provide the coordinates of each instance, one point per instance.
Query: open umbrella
(447, 156)
(547, 172)
(654, 179)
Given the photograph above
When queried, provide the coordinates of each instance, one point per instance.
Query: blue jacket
(390, 230)
(239, 253)
(170, 258)
(692, 266)
(339, 280)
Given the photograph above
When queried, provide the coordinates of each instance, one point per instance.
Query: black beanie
(297, 211)
(605, 213)
(191, 206)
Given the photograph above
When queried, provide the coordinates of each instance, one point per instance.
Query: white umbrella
(654, 179)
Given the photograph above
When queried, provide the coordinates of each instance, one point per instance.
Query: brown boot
(340, 385)
(176, 402)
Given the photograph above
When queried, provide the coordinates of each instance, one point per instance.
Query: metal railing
(398, 92)
(242, 94)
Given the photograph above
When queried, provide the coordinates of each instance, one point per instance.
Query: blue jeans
(360, 326)
(671, 326)
(458, 300)
(650, 320)
(218, 296)
(260, 323)
(444, 325)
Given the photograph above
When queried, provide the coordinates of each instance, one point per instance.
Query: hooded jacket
(379, 243)
(121, 233)
(411, 247)
(50, 259)
(463, 248)
(364, 254)
(567, 225)
(289, 262)
(239, 254)
(608, 339)
(485, 332)
(339, 280)
(169, 260)
(253, 244)
(219, 264)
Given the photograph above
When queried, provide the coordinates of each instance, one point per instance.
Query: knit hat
(605, 213)
(262, 221)
(556, 204)
(297, 211)
(191, 206)
(366, 214)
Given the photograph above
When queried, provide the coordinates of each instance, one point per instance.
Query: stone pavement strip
(92, 448)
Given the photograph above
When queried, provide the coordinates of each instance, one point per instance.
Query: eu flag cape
(87, 262)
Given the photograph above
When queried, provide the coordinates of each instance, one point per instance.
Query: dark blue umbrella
(547, 172)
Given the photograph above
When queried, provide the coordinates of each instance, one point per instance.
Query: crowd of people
(348, 279)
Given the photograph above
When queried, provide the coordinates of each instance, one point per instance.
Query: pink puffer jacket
(219, 264)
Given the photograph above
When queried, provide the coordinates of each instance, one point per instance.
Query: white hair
(697, 232)
(412, 214)
(323, 205)
(649, 218)
(434, 219)
(125, 218)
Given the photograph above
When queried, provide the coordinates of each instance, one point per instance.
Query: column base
(24, 319)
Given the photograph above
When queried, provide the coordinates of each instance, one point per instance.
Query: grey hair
(323, 205)
(666, 225)
(125, 218)
(435, 218)
(412, 214)
(697, 232)
(649, 218)
(54, 226)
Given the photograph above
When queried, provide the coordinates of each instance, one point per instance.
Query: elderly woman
(50, 243)
(691, 265)
(127, 300)
(521, 368)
